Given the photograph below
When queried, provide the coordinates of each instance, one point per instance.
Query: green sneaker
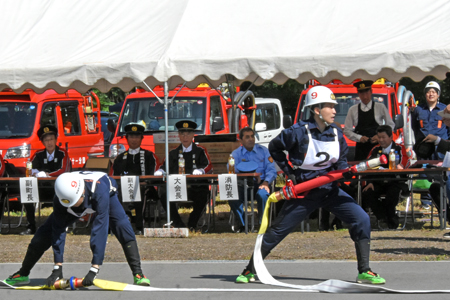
(140, 279)
(16, 279)
(246, 277)
(370, 277)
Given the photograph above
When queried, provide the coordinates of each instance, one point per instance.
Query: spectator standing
(425, 121)
(363, 120)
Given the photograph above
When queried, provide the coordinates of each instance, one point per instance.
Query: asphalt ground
(193, 275)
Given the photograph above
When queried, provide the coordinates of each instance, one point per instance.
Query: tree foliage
(288, 93)
(113, 96)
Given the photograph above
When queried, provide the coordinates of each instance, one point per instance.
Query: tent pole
(166, 133)
(230, 81)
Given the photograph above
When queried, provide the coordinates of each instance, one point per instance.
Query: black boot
(363, 255)
(132, 254)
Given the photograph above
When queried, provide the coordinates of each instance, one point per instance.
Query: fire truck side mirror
(217, 124)
(398, 120)
(287, 121)
(111, 125)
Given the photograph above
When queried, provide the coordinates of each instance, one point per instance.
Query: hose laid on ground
(329, 286)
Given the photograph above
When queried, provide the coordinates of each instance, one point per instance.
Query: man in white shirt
(363, 120)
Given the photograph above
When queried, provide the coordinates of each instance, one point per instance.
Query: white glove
(197, 172)
(160, 172)
(41, 174)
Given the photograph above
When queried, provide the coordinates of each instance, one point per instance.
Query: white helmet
(69, 188)
(319, 94)
(433, 84)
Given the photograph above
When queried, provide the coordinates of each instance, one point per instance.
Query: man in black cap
(363, 120)
(197, 162)
(49, 162)
(137, 161)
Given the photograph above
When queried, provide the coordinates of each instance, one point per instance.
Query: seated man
(49, 162)
(251, 152)
(136, 161)
(385, 209)
(197, 162)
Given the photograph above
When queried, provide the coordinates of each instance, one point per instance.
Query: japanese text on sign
(131, 191)
(228, 187)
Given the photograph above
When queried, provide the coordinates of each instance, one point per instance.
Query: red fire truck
(205, 106)
(346, 96)
(76, 116)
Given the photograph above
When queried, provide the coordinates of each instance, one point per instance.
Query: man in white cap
(425, 122)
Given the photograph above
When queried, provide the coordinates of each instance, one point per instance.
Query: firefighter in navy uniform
(76, 195)
(315, 147)
(365, 117)
(48, 162)
(137, 161)
(197, 163)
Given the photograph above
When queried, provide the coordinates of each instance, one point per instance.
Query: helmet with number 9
(69, 188)
(319, 94)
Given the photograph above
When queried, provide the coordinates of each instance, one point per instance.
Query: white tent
(80, 44)
(106, 43)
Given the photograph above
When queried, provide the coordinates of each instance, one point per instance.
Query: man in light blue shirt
(260, 156)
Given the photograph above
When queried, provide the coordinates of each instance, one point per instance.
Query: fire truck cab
(76, 116)
(203, 105)
(347, 96)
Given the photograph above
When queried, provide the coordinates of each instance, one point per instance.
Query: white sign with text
(131, 190)
(177, 188)
(29, 190)
(228, 187)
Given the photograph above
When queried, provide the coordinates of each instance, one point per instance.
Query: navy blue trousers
(335, 201)
(42, 240)
(237, 206)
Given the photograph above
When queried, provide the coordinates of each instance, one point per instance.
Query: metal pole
(166, 133)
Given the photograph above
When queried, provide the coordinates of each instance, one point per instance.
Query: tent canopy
(82, 44)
